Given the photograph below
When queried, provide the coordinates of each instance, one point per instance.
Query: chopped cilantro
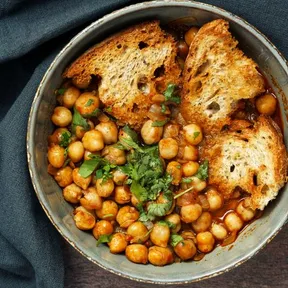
(78, 120)
(163, 108)
(107, 216)
(186, 180)
(171, 94)
(108, 109)
(196, 134)
(89, 103)
(202, 172)
(104, 239)
(65, 139)
(167, 223)
(160, 123)
(66, 162)
(61, 91)
(175, 239)
(95, 113)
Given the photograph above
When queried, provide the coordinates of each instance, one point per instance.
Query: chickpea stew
(144, 192)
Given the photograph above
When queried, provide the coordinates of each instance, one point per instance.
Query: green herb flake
(65, 139)
(66, 162)
(163, 108)
(160, 123)
(175, 239)
(167, 223)
(107, 216)
(66, 152)
(95, 113)
(78, 120)
(88, 166)
(202, 172)
(89, 103)
(196, 134)
(61, 91)
(171, 94)
(131, 133)
(186, 180)
(108, 109)
(104, 239)
(99, 174)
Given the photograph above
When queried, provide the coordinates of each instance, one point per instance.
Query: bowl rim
(37, 99)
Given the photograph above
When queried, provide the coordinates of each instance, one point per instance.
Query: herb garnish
(78, 120)
(89, 103)
(65, 139)
(175, 239)
(196, 134)
(95, 113)
(202, 172)
(61, 91)
(104, 239)
(160, 123)
(171, 94)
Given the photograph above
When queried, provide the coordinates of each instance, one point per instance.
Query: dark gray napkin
(31, 34)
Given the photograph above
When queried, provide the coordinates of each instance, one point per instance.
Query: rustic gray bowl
(255, 237)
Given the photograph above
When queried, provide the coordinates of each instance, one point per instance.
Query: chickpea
(76, 151)
(218, 231)
(118, 243)
(137, 253)
(183, 49)
(190, 35)
(114, 155)
(93, 141)
(102, 227)
(87, 103)
(79, 180)
(171, 130)
(91, 200)
(104, 187)
(70, 96)
(185, 249)
(62, 116)
(138, 231)
(122, 194)
(56, 156)
(151, 135)
(198, 184)
(190, 168)
(56, 137)
(109, 131)
(174, 219)
(233, 222)
(190, 153)
(64, 176)
(215, 199)
(80, 131)
(119, 177)
(126, 216)
(246, 213)
(266, 104)
(160, 256)
(72, 193)
(205, 241)
(202, 223)
(168, 148)
(84, 219)
(190, 213)
(175, 170)
(160, 235)
(193, 134)
(108, 210)
(134, 200)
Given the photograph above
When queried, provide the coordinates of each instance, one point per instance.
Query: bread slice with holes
(216, 76)
(252, 157)
(133, 65)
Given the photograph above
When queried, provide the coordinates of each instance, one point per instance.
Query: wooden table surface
(269, 268)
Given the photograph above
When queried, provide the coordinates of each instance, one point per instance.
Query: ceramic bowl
(250, 241)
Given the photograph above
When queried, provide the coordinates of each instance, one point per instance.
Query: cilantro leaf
(186, 180)
(89, 103)
(171, 94)
(159, 210)
(202, 172)
(175, 239)
(65, 139)
(108, 109)
(131, 133)
(78, 120)
(167, 223)
(163, 108)
(105, 238)
(61, 91)
(95, 113)
(88, 166)
(160, 123)
(140, 192)
(196, 134)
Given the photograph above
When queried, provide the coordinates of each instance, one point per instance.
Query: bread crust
(216, 75)
(127, 64)
(237, 157)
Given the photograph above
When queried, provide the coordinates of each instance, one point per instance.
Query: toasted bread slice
(133, 65)
(216, 75)
(252, 158)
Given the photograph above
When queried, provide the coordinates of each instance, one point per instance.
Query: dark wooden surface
(269, 268)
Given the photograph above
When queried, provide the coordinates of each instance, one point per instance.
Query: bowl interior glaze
(251, 240)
